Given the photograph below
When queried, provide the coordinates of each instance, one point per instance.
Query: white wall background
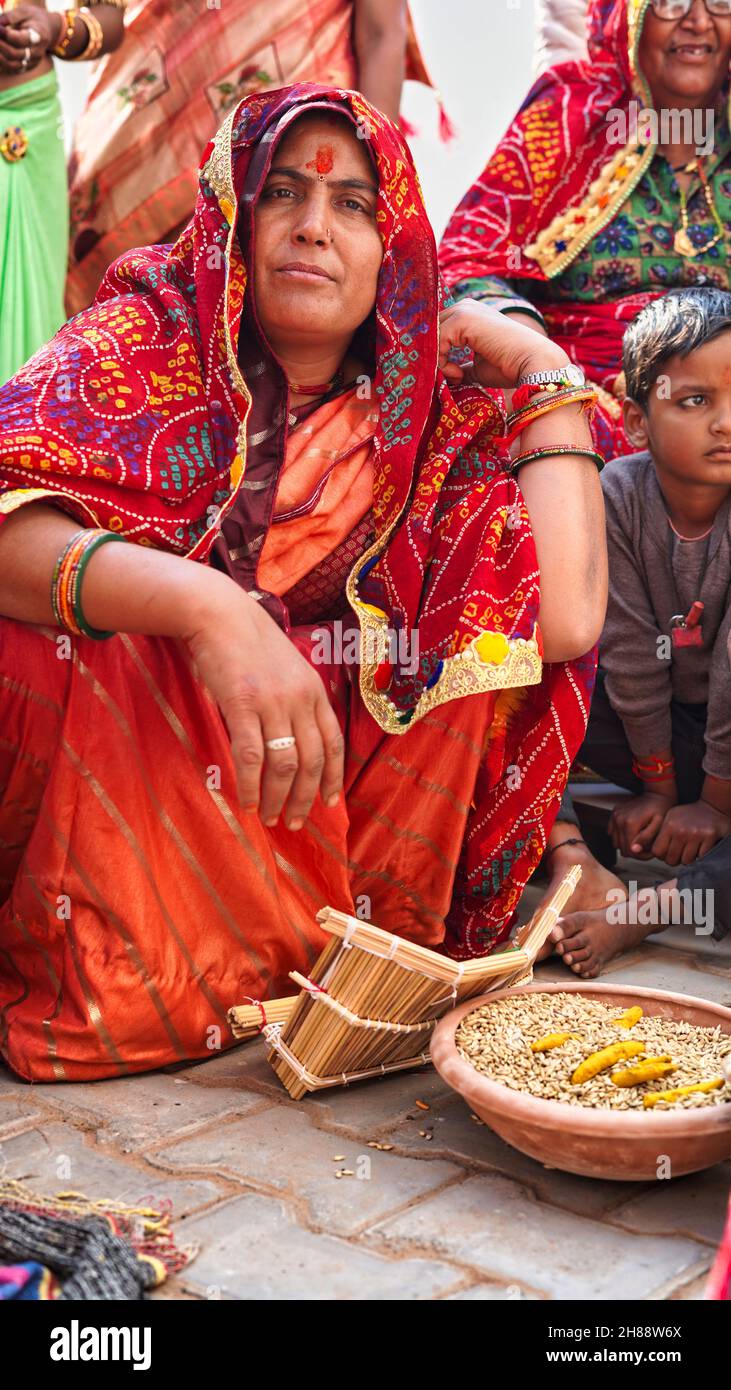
(480, 53)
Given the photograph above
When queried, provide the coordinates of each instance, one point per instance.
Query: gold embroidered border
(463, 674)
(575, 228)
(18, 497)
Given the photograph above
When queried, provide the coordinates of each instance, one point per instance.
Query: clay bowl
(624, 1146)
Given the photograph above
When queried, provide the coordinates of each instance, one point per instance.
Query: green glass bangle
(553, 452)
(95, 633)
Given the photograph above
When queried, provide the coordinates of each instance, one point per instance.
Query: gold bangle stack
(96, 36)
(69, 19)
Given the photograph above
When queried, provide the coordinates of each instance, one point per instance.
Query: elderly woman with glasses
(612, 185)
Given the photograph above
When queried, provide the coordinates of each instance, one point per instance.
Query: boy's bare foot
(586, 941)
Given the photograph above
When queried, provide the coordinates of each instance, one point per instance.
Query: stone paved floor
(454, 1215)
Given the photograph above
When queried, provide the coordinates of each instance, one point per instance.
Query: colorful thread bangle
(520, 419)
(552, 400)
(69, 24)
(67, 579)
(523, 395)
(555, 451)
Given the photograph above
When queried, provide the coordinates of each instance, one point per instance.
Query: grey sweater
(652, 576)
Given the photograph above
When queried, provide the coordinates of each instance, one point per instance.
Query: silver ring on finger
(26, 58)
(279, 744)
(34, 36)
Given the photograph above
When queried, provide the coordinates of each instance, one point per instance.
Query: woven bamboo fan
(372, 999)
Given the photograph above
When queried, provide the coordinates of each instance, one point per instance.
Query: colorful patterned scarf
(135, 417)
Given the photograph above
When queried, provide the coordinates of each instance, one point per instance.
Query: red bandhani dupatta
(134, 418)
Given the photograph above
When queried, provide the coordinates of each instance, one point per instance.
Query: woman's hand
(503, 349)
(27, 29)
(265, 690)
(634, 824)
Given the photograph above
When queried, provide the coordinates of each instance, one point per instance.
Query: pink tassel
(407, 129)
(447, 131)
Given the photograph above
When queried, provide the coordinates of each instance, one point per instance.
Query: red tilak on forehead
(323, 161)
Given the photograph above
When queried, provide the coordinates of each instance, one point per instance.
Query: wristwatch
(570, 375)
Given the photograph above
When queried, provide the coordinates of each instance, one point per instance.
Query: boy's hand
(634, 825)
(689, 832)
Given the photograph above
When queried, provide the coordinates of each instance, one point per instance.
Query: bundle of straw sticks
(372, 999)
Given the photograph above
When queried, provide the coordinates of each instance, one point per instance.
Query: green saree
(33, 219)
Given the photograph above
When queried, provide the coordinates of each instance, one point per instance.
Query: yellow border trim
(19, 497)
(463, 674)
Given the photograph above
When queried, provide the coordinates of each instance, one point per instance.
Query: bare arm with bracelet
(563, 493)
(30, 34)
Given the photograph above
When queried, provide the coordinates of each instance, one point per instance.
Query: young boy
(660, 722)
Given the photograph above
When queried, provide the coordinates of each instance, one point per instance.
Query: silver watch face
(575, 374)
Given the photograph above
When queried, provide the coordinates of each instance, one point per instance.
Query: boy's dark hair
(679, 322)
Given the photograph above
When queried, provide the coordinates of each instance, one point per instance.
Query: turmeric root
(629, 1018)
(655, 1096)
(601, 1061)
(649, 1069)
(552, 1040)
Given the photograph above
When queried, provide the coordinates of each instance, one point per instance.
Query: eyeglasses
(678, 9)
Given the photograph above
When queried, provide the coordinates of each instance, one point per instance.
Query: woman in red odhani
(612, 185)
(264, 419)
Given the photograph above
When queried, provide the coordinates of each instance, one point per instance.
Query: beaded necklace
(682, 243)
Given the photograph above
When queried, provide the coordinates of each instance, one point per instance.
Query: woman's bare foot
(598, 887)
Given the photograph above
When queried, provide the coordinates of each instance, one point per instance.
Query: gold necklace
(682, 242)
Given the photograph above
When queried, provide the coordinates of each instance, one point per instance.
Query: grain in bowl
(544, 1044)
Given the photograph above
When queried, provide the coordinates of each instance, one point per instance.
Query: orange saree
(140, 902)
